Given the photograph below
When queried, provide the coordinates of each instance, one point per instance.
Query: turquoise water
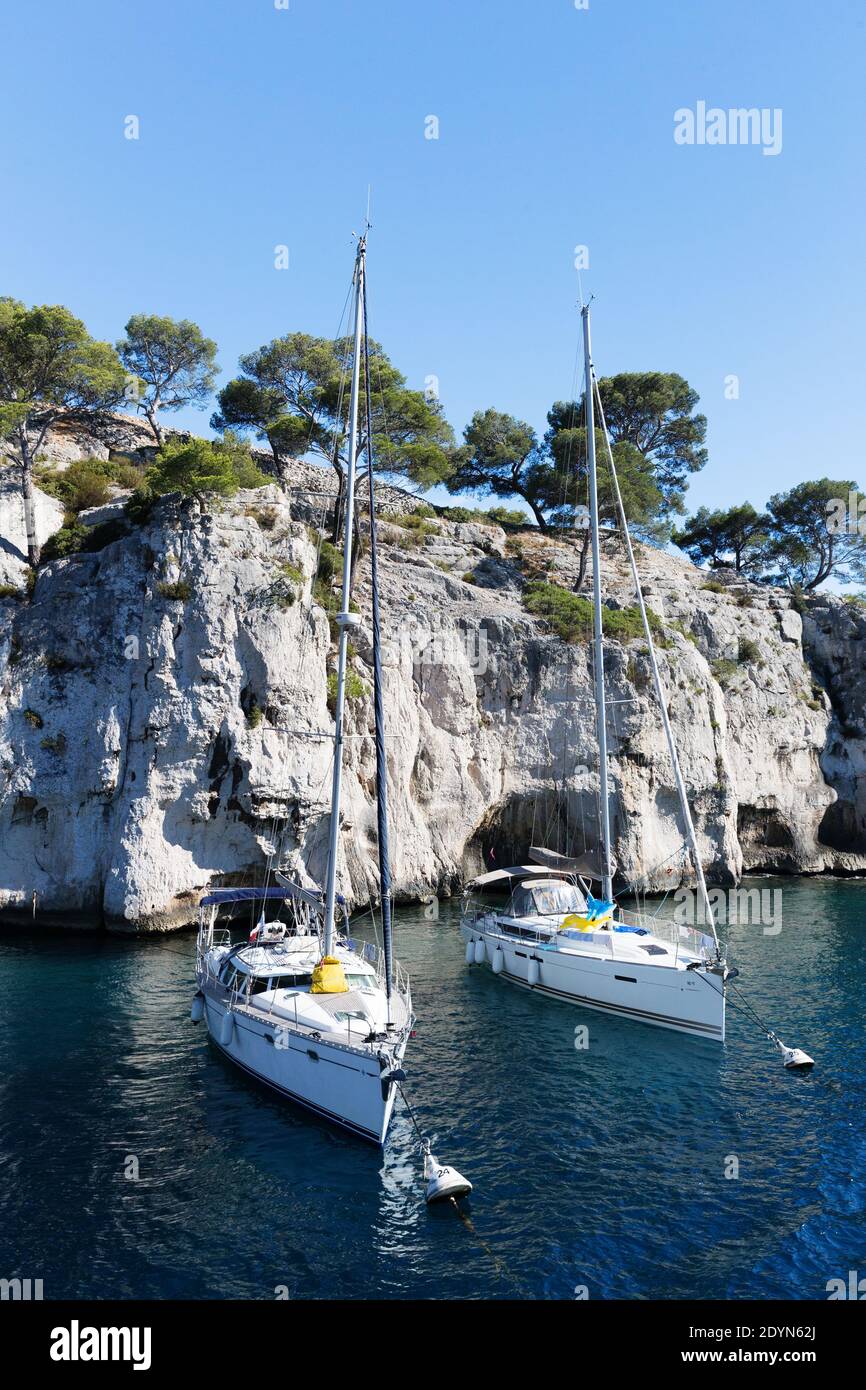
(602, 1168)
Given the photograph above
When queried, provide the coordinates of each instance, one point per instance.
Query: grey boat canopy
(501, 878)
(588, 865)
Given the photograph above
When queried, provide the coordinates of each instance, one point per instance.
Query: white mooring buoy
(442, 1181)
(792, 1057)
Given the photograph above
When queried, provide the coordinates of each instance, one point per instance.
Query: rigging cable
(378, 707)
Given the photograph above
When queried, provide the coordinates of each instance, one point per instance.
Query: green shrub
(810, 699)
(749, 650)
(139, 506)
(714, 587)
(85, 483)
(177, 590)
(567, 613)
(255, 715)
(291, 580)
(505, 516)
(201, 467)
(127, 474)
(69, 540)
(324, 596)
(415, 522)
(33, 719)
(355, 688)
(10, 591)
(496, 516)
(571, 618)
(284, 591)
(80, 539)
(330, 561)
(724, 669)
(469, 578)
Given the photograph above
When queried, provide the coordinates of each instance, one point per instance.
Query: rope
(411, 1114)
(501, 1268)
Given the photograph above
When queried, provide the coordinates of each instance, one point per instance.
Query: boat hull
(341, 1084)
(683, 1001)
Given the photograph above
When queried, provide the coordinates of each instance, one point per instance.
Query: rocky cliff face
(164, 722)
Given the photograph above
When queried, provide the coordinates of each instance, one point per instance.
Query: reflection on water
(602, 1167)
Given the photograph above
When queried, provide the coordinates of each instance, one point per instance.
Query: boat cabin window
(360, 981)
(546, 898)
(291, 981)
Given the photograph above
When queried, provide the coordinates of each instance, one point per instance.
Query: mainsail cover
(587, 865)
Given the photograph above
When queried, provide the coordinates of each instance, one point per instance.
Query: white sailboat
(540, 926)
(322, 1019)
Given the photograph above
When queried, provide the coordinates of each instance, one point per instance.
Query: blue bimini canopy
(247, 895)
(243, 895)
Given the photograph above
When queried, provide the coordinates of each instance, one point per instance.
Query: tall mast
(378, 703)
(344, 618)
(598, 633)
(661, 695)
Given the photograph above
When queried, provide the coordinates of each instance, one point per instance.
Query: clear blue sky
(262, 126)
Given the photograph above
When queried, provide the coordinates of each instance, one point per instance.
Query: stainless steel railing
(682, 938)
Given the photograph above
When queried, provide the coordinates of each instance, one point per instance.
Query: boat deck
(650, 949)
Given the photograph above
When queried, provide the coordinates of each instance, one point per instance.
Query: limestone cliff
(164, 720)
